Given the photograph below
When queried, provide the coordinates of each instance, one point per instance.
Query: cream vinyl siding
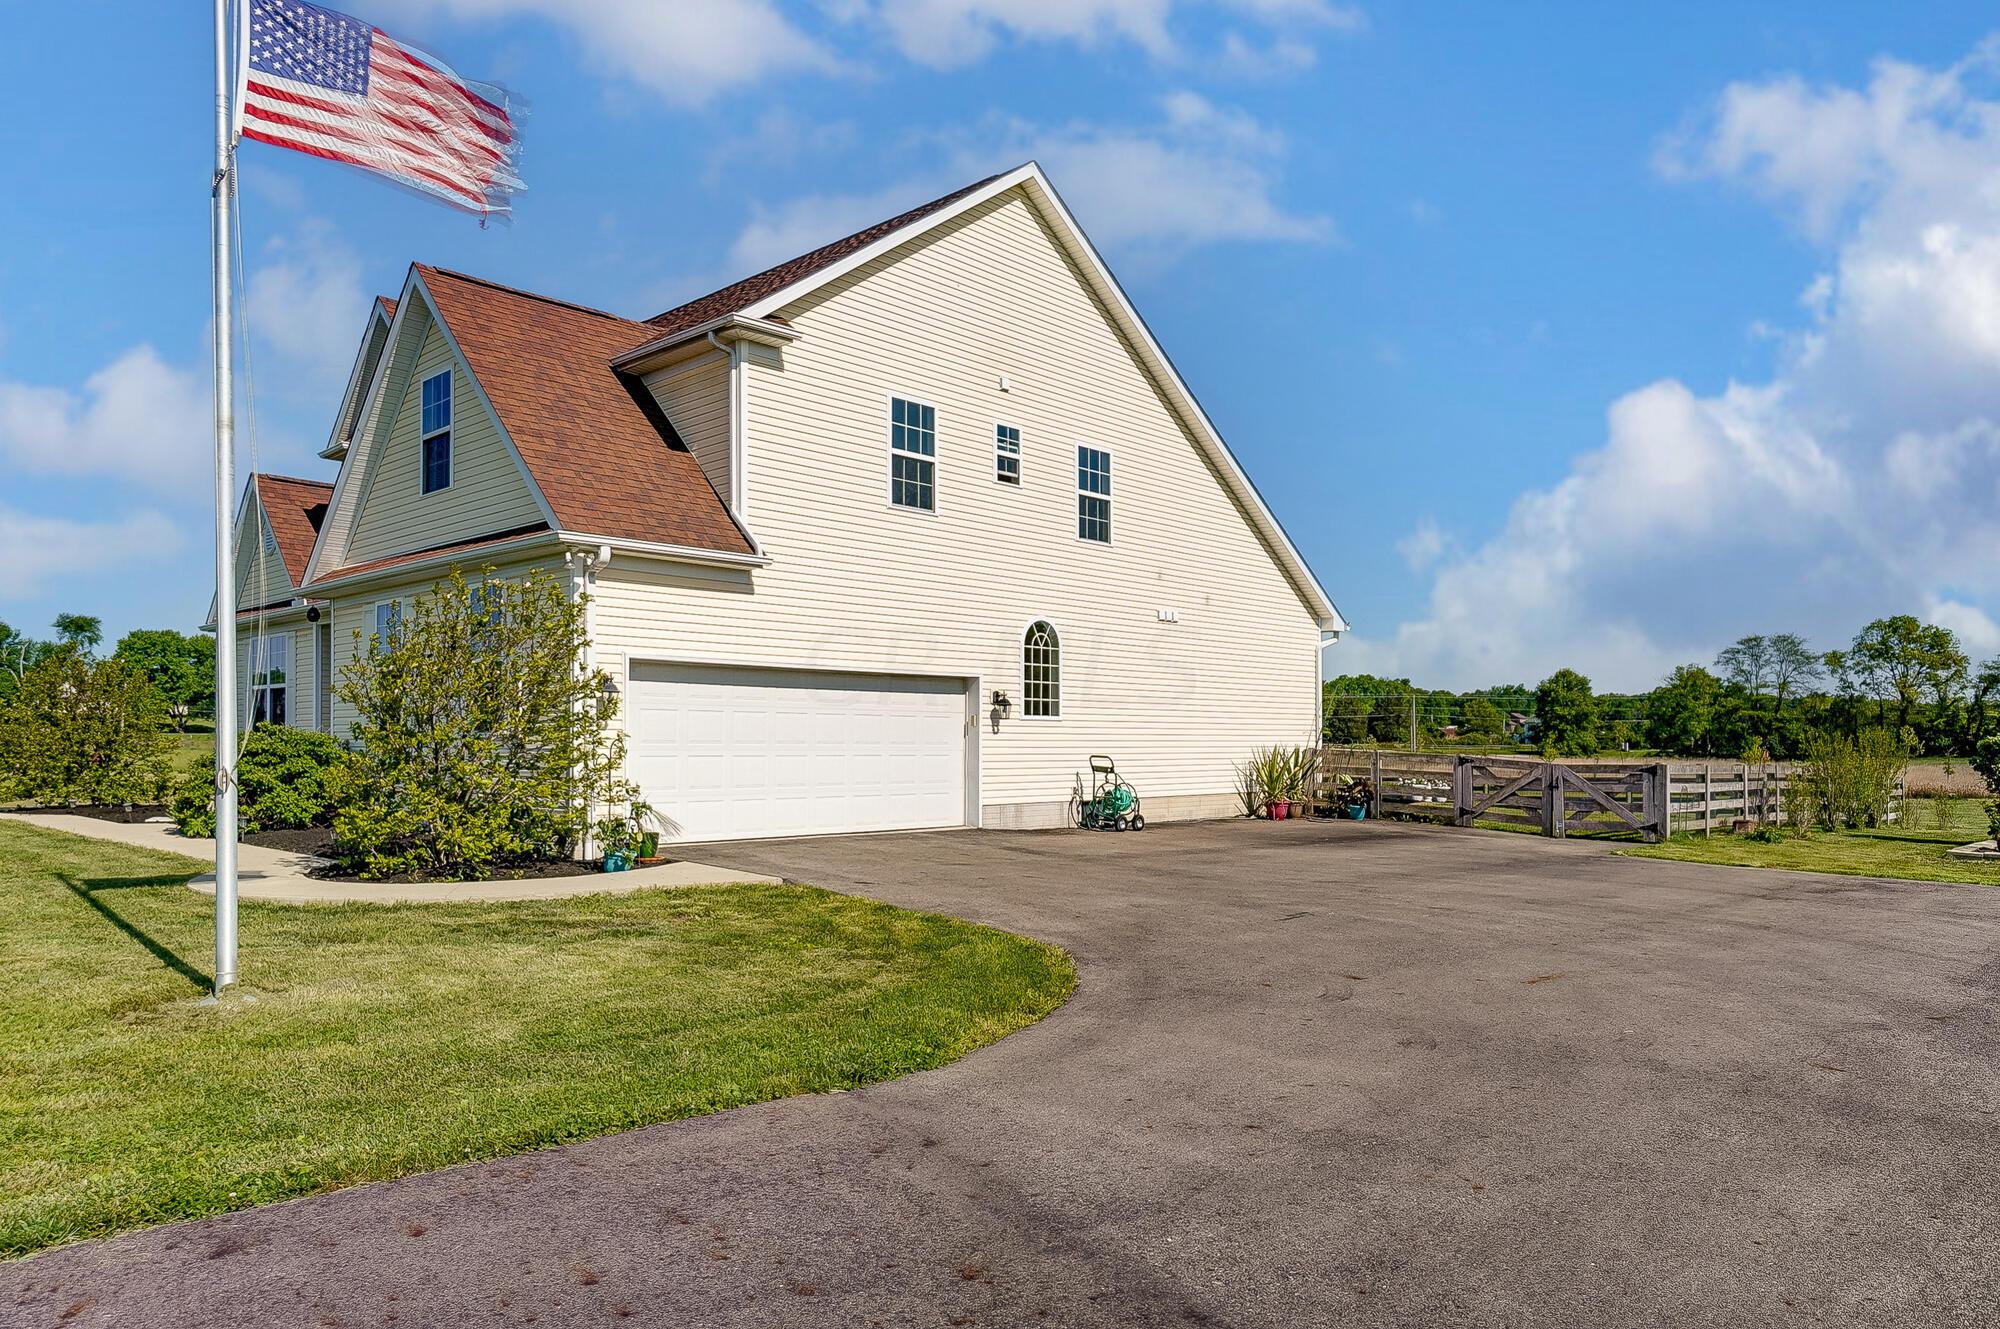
(488, 491)
(856, 584)
(695, 396)
(301, 682)
(353, 612)
(261, 580)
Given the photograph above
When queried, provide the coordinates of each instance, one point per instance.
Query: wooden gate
(1556, 798)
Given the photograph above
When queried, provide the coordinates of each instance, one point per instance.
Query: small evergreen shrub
(284, 780)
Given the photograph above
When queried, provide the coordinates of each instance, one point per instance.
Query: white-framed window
(1093, 494)
(388, 622)
(1007, 454)
(1041, 671)
(270, 663)
(437, 432)
(912, 454)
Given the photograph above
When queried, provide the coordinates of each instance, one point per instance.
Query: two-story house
(893, 535)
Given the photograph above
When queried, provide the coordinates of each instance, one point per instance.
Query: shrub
(79, 730)
(479, 743)
(284, 780)
(1986, 760)
(1277, 774)
(1846, 781)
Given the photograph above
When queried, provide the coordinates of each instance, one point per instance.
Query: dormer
(376, 336)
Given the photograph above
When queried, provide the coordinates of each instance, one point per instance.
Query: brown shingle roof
(742, 294)
(590, 437)
(294, 507)
(388, 303)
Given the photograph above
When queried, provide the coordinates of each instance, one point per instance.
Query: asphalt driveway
(1315, 1074)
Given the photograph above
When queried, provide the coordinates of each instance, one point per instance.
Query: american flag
(324, 83)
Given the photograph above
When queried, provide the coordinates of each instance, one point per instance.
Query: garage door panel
(727, 753)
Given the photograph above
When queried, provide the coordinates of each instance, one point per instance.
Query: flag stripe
(376, 162)
(361, 141)
(475, 154)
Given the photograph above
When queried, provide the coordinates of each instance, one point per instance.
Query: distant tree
(83, 631)
(1483, 720)
(1900, 659)
(1568, 713)
(1794, 667)
(1979, 709)
(181, 665)
(18, 652)
(1748, 664)
(1680, 713)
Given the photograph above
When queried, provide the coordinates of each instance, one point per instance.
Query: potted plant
(618, 839)
(649, 837)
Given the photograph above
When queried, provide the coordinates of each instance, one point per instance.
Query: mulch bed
(318, 842)
(128, 816)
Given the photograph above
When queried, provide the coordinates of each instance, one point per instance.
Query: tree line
(1764, 697)
(180, 665)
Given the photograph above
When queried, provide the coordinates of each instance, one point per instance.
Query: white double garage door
(726, 753)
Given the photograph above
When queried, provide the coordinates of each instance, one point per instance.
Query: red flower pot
(1281, 808)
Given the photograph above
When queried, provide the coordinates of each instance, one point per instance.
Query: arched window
(1041, 671)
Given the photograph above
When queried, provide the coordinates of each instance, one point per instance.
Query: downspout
(738, 460)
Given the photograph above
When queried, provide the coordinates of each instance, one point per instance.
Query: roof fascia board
(356, 454)
(729, 327)
(398, 571)
(351, 400)
(1051, 204)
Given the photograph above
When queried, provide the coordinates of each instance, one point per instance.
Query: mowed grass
(1914, 851)
(389, 1040)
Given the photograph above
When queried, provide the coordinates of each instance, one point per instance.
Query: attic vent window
(437, 432)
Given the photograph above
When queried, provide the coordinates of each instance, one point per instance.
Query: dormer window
(437, 432)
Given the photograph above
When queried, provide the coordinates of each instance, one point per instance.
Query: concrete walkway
(277, 876)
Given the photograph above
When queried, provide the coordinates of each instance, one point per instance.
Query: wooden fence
(1650, 799)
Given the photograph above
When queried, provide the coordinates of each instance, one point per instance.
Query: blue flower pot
(618, 860)
(1357, 811)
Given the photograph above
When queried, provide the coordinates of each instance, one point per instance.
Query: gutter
(717, 558)
(738, 327)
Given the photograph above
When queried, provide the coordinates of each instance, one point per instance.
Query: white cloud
(950, 34)
(1863, 478)
(35, 550)
(1424, 545)
(307, 302)
(1217, 164)
(138, 418)
(684, 51)
(148, 421)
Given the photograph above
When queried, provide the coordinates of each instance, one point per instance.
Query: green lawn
(1914, 851)
(391, 1040)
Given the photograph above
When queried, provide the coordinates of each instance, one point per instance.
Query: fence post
(1553, 798)
(1707, 799)
(1375, 784)
(1663, 800)
(1461, 791)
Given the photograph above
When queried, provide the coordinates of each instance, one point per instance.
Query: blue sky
(1555, 334)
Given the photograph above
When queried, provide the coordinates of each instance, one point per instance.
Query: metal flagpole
(220, 190)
